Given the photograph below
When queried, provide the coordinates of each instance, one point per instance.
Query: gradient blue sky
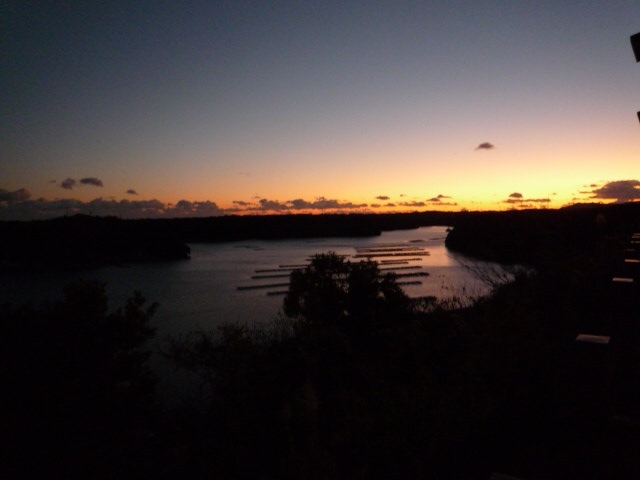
(147, 108)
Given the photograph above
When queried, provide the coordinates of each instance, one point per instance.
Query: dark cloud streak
(620, 191)
(68, 183)
(96, 182)
(518, 201)
(42, 209)
(19, 195)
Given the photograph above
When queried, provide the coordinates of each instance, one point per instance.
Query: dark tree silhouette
(77, 379)
(334, 291)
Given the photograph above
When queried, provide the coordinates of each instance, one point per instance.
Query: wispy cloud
(385, 205)
(42, 209)
(321, 203)
(185, 208)
(131, 191)
(620, 191)
(273, 205)
(19, 195)
(382, 198)
(440, 201)
(96, 182)
(439, 198)
(412, 204)
(518, 200)
(485, 146)
(68, 183)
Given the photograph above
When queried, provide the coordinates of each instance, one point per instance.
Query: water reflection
(202, 293)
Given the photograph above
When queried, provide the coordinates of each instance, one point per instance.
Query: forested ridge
(81, 240)
(354, 380)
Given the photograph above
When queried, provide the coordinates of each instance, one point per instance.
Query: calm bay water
(202, 293)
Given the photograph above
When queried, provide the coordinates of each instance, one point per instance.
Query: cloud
(323, 203)
(123, 208)
(299, 204)
(271, 205)
(385, 205)
(19, 195)
(382, 197)
(18, 206)
(438, 199)
(265, 205)
(68, 183)
(412, 204)
(96, 182)
(620, 191)
(38, 209)
(185, 208)
(517, 200)
(131, 191)
(43, 209)
(485, 146)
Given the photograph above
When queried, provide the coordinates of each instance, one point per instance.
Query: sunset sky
(151, 108)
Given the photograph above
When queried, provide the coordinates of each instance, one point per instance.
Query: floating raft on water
(391, 251)
(391, 254)
(269, 270)
(396, 248)
(407, 254)
(412, 274)
(274, 275)
(257, 287)
(408, 267)
(284, 292)
(278, 285)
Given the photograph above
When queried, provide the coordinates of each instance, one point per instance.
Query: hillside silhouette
(357, 380)
(512, 236)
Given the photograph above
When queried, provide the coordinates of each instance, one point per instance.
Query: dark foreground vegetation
(354, 380)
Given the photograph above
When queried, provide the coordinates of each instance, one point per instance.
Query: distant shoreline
(509, 236)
